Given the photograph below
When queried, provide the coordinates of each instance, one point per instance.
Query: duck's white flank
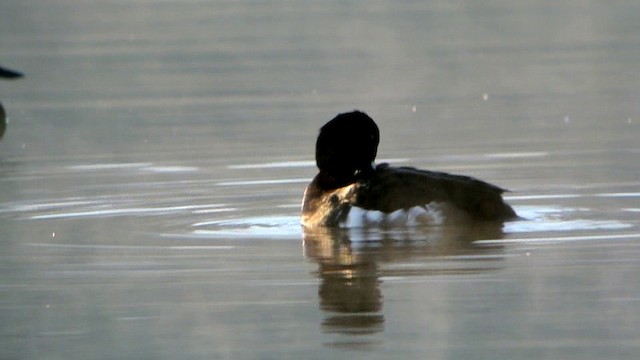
(429, 214)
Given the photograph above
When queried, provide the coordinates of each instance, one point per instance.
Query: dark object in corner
(10, 74)
(6, 74)
(3, 121)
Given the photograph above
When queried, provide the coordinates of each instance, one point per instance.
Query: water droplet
(485, 96)
(413, 108)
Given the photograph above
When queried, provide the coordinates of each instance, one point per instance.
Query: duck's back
(388, 189)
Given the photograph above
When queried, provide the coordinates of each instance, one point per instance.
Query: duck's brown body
(388, 189)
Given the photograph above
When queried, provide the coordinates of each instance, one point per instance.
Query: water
(156, 155)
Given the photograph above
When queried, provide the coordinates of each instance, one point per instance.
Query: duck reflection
(350, 285)
(352, 263)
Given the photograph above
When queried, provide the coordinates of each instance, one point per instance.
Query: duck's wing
(392, 188)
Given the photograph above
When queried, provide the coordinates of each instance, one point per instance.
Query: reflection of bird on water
(350, 190)
(350, 288)
(353, 262)
(6, 74)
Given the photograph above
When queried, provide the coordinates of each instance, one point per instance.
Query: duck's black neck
(329, 181)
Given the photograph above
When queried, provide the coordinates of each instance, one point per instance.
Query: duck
(351, 190)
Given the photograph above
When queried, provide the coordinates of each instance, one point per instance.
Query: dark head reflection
(350, 288)
(353, 263)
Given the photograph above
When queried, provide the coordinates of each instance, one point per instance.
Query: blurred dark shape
(6, 74)
(3, 121)
(10, 74)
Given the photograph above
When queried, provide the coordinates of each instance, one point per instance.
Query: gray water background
(156, 155)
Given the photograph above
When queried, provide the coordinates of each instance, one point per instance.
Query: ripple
(142, 248)
(517, 155)
(280, 227)
(109, 166)
(263, 182)
(565, 225)
(270, 165)
(537, 219)
(562, 239)
(620, 194)
(133, 211)
(557, 218)
(170, 169)
(141, 166)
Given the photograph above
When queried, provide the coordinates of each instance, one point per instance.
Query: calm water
(156, 155)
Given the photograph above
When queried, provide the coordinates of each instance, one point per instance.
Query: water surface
(156, 155)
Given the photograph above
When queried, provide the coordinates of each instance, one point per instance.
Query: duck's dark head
(346, 148)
